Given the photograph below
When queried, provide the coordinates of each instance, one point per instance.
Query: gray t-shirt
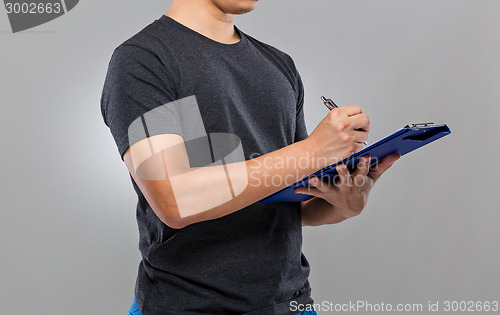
(247, 262)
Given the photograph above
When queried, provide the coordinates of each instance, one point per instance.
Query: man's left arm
(335, 202)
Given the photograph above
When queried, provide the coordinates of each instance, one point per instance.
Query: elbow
(172, 220)
(175, 223)
(168, 213)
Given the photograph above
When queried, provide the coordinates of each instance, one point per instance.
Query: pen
(331, 105)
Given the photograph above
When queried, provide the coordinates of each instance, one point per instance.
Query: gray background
(68, 234)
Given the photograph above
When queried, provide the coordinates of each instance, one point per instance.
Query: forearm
(207, 193)
(317, 211)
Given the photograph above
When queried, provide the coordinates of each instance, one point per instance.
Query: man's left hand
(349, 195)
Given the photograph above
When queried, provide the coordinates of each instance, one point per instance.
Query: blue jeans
(134, 310)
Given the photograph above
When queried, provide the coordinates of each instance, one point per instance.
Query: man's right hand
(340, 134)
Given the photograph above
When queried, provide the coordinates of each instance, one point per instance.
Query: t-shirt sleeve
(300, 125)
(136, 82)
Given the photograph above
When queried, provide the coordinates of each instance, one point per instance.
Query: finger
(351, 110)
(344, 175)
(312, 191)
(358, 146)
(321, 185)
(360, 122)
(363, 166)
(383, 165)
(308, 188)
(360, 135)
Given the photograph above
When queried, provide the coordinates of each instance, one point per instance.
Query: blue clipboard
(404, 140)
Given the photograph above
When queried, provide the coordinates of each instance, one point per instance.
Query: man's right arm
(188, 195)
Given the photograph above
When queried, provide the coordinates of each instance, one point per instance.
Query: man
(191, 85)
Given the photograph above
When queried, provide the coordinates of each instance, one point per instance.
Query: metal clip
(419, 125)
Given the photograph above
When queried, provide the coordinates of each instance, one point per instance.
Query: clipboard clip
(419, 125)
